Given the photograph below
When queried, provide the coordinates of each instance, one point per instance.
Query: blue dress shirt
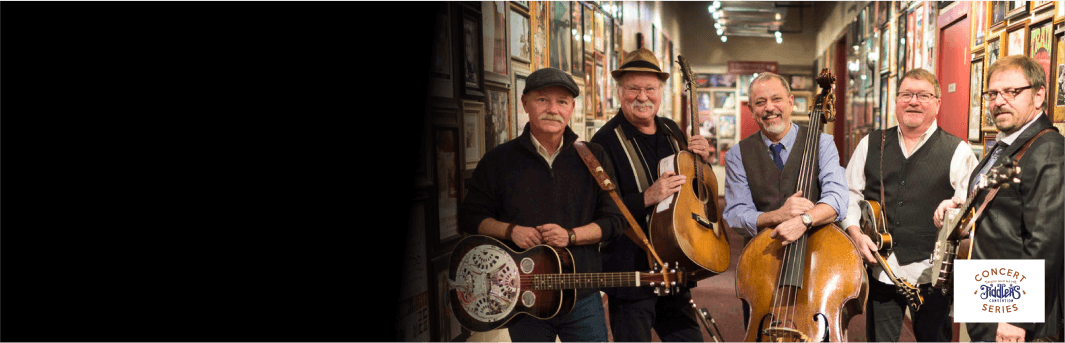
(740, 211)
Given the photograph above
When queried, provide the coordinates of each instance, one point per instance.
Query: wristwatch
(807, 220)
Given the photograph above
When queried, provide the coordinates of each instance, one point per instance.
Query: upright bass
(682, 227)
(808, 290)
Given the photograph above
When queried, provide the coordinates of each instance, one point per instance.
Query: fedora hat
(640, 60)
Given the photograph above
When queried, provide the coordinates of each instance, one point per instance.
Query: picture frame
(884, 102)
(561, 35)
(976, 100)
(1059, 13)
(473, 132)
(993, 51)
(521, 118)
(1041, 48)
(447, 327)
(472, 65)
(498, 121)
(1039, 6)
(520, 35)
(1059, 83)
(724, 100)
(901, 49)
(589, 29)
(497, 60)
(802, 103)
(539, 17)
(591, 87)
(577, 39)
(997, 15)
(448, 188)
(599, 38)
(600, 88)
(885, 48)
(704, 103)
(1017, 39)
(987, 142)
(440, 73)
(726, 126)
(978, 9)
(1016, 9)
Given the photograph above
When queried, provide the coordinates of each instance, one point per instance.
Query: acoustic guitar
(492, 285)
(874, 224)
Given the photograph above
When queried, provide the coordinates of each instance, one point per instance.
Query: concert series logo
(991, 291)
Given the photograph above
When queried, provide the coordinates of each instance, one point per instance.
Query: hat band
(641, 64)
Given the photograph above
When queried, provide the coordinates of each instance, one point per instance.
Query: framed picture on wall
(976, 100)
(1059, 80)
(802, 102)
(577, 39)
(1017, 39)
(472, 132)
(900, 50)
(979, 23)
(448, 187)
(1039, 6)
(561, 34)
(994, 50)
(1059, 13)
(997, 13)
(498, 120)
(1041, 47)
(1016, 9)
(472, 69)
(520, 37)
(539, 16)
(520, 116)
(496, 59)
(589, 29)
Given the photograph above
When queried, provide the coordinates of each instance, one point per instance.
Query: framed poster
(561, 34)
(472, 132)
(1017, 39)
(448, 186)
(520, 38)
(994, 50)
(989, 141)
(979, 23)
(900, 52)
(589, 28)
(472, 69)
(1059, 81)
(498, 120)
(997, 13)
(538, 14)
(726, 126)
(911, 22)
(599, 37)
(1041, 47)
(590, 85)
(976, 100)
(884, 102)
(577, 39)
(724, 100)
(803, 101)
(703, 98)
(520, 116)
(885, 49)
(494, 17)
(441, 84)
(1016, 9)
(600, 89)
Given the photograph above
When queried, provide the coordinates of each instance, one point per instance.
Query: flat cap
(550, 77)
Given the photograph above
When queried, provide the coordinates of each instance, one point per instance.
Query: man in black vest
(636, 138)
(1025, 220)
(918, 163)
(761, 172)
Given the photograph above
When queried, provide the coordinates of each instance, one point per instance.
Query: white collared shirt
(549, 157)
(961, 165)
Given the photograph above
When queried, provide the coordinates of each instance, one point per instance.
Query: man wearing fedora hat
(536, 189)
(636, 138)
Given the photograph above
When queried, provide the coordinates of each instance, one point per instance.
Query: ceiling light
(724, 39)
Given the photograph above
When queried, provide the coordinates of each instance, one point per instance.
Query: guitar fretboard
(582, 280)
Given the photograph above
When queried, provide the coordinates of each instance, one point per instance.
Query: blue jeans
(586, 323)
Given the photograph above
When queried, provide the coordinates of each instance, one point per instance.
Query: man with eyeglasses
(917, 163)
(1026, 220)
(761, 172)
(636, 138)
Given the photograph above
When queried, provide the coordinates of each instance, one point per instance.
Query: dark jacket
(622, 254)
(1026, 221)
(514, 184)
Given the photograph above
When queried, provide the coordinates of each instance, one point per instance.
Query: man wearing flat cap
(636, 139)
(536, 189)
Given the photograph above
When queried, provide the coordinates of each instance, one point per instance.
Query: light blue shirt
(740, 211)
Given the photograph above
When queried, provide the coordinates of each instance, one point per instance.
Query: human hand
(789, 231)
(668, 184)
(526, 237)
(699, 145)
(554, 235)
(864, 244)
(941, 210)
(1009, 333)
(793, 207)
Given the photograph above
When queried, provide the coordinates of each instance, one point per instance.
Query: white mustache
(554, 117)
(638, 104)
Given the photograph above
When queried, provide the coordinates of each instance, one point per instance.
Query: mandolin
(686, 227)
(874, 224)
(955, 237)
(491, 285)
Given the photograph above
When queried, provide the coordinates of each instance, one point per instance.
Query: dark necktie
(776, 155)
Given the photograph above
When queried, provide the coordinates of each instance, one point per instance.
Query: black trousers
(886, 310)
(672, 317)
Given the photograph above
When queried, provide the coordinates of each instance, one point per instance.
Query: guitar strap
(991, 194)
(634, 232)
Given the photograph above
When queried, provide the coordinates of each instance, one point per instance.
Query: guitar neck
(582, 280)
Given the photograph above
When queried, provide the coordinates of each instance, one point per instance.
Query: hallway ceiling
(755, 18)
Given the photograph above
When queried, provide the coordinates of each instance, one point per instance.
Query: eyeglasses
(922, 97)
(635, 91)
(1007, 93)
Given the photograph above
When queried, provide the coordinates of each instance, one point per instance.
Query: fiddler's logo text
(992, 291)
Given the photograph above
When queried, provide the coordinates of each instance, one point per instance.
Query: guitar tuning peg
(656, 291)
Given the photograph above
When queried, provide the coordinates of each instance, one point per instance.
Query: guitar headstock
(1000, 176)
(665, 280)
(686, 71)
